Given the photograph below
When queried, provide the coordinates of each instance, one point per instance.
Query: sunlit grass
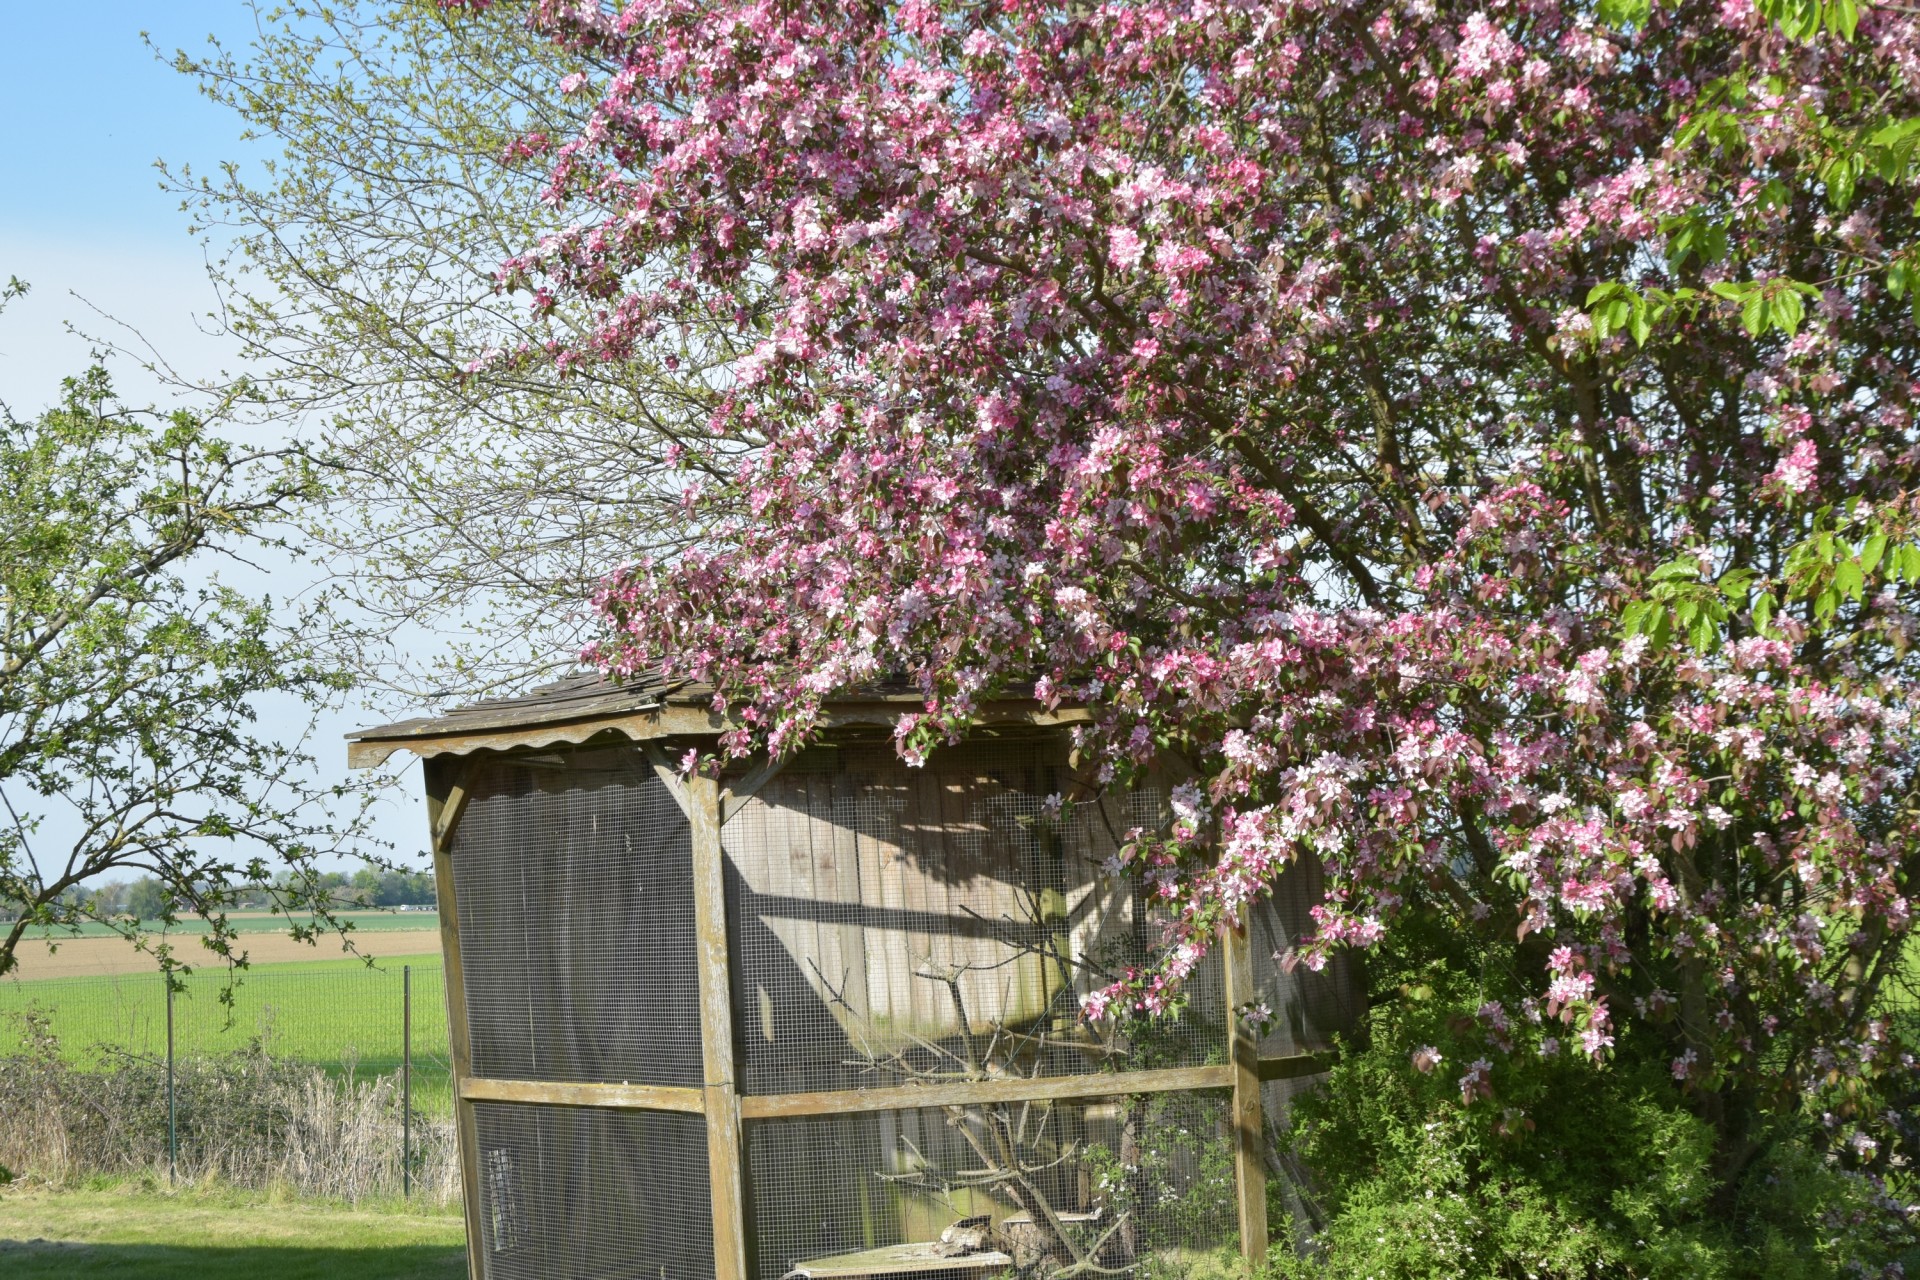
(129, 1230)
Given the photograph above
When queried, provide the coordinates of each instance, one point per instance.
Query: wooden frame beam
(771, 1106)
(446, 801)
(984, 1092)
(623, 1097)
(734, 796)
(1249, 1111)
(663, 768)
(722, 1094)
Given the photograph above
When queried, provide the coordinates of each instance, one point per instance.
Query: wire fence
(362, 1028)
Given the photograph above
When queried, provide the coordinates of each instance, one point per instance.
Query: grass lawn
(329, 1012)
(68, 1235)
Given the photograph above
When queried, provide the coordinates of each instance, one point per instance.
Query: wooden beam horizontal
(982, 1092)
(1294, 1066)
(630, 1097)
(647, 1097)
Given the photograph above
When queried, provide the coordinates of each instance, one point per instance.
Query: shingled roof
(639, 707)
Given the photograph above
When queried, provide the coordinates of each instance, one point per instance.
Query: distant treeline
(145, 899)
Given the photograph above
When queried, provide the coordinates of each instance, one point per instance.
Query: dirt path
(85, 957)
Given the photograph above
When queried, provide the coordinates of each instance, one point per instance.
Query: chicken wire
(887, 927)
(1140, 1185)
(586, 1193)
(574, 877)
(892, 926)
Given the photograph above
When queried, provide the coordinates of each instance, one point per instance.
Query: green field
(260, 922)
(337, 1014)
(78, 1234)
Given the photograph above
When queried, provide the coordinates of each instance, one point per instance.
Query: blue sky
(89, 109)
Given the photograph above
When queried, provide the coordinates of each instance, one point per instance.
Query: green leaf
(1714, 246)
(1889, 135)
(1703, 634)
(1622, 13)
(1729, 290)
(1787, 310)
(1734, 583)
(1849, 579)
(1871, 550)
(1842, 17)
(1753, 316)
(1826, 603)
(1839, 180)
(1639, 323)
(1679, 567)
(1762, 611)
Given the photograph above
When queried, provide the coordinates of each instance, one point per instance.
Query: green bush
(1567, 1171)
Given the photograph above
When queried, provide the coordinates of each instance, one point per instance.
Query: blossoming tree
(1472, 441)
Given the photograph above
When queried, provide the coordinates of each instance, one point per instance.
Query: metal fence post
(406, 1081)
(173, 1131)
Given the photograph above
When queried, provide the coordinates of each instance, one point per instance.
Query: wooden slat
(664, 769)
(445, 816)
(722, 1097)
(736, 793)
(1294, 1066)
(627, 1097)
(981, 1092)
(446, 798)
(1249, 1113)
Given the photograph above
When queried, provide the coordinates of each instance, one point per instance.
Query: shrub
(252, 1119)
(1565, 1172)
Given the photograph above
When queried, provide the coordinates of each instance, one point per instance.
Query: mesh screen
(582, 1193)
(574, 881)
(1139, 1186)
(894, 925)
(1310, 1010)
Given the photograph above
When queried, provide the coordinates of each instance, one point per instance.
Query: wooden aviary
(823, 1016)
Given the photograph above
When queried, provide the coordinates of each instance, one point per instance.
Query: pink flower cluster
(1224, 369)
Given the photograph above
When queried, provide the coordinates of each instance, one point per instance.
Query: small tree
(130, 692)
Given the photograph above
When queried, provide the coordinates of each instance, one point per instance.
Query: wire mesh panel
(1310, 1009)
(574, 880)
(583, 1193)
(1137, 1186)
(894, 925)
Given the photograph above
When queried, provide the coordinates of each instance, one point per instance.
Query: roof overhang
(578, 711)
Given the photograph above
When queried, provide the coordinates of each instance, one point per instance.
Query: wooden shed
(822, 1016)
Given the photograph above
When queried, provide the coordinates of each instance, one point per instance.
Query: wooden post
(446, 799)
(173, 1131)
(406, 1082)
(1249, 1114)
(722, 1094)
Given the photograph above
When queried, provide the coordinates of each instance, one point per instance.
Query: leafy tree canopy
(131, 681)
(358, 264)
